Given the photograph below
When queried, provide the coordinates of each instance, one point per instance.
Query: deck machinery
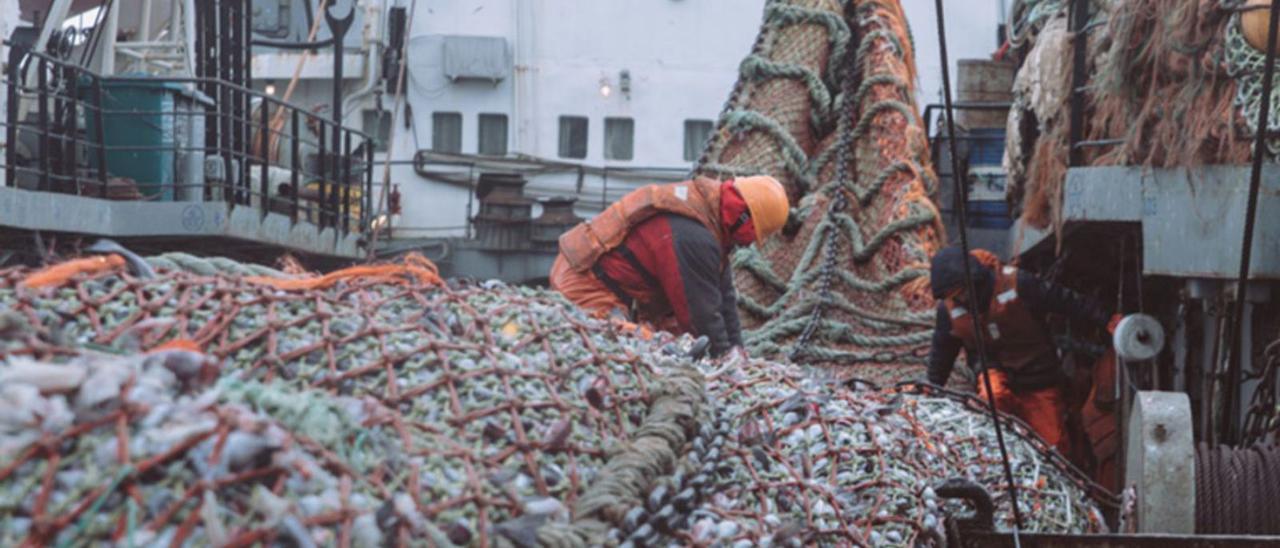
(1133, 185)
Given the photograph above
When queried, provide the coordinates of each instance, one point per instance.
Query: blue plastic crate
(986, 147)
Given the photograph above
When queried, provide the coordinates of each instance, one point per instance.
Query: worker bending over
(662, 253)
(1026, 373)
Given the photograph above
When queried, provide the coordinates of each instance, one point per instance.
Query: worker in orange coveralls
(660, 255)
(1023, 363)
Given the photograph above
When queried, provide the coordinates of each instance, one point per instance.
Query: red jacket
(671, 264)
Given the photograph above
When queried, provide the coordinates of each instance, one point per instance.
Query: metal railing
(70, 130)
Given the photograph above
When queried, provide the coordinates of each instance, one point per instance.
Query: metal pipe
(980, 333)
(338, 28)
(175, 25)
(1251, 212)
(43, 114)
(295, 162)
(189, 33)
(101, 136)
(372, 67)
(1080, 46)
(1212, 330)
(323, 156)
(221, 66)
(144, 30)
(264, 186)
(366, 212)
(963, 105)
(244, 67)
(1247, 387)
(285, 44)
(11, 128)
(72, 125)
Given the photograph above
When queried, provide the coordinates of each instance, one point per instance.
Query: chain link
(1262, 420)
(839, 203)
(1246, 64)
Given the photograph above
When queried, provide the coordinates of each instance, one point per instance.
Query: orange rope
(59, 274)
(177, 344)
(415, 267)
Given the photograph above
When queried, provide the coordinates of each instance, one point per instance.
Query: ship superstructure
(563, 100)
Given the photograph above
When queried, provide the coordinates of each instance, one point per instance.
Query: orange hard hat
(767, 202)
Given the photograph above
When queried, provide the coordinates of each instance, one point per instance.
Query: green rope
(810, 275)
(840, 332)
(88, 516)
(777, 16)
(793, 156)
(755, 67)
(838, 33)
(866, 194)
(786, 314)
(131, 520)
(869, 40)
(864, 123)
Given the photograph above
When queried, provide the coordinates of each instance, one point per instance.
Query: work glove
(699, 349)
(1115, 322)
(620, 323)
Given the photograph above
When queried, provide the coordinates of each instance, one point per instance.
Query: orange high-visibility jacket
(1015, 337)
(698, 199)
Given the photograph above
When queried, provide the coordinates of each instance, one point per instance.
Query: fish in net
(497, 407)
(382, 405)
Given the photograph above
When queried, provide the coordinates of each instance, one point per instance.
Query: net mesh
(806, 463)
(391, 407)
(494, 403)
(829, 82)
(382, 405)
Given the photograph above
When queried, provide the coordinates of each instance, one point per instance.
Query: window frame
(697, 148)
(620, 121)
(382, 116)
(480, 133)
(564, 148)
(436, 134)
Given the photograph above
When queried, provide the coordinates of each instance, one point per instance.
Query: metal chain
(1263, 417)
(1246, 65)
(839, 202)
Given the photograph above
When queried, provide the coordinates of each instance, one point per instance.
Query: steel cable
(962, 221)
(1236, 490)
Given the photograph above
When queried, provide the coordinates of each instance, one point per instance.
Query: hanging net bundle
(825, 103)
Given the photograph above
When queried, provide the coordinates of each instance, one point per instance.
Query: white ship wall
(682, 57)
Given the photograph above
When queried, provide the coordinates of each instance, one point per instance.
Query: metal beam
(28, 210)
(1187, 226)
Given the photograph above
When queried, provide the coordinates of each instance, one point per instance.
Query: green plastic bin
(165, 117)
